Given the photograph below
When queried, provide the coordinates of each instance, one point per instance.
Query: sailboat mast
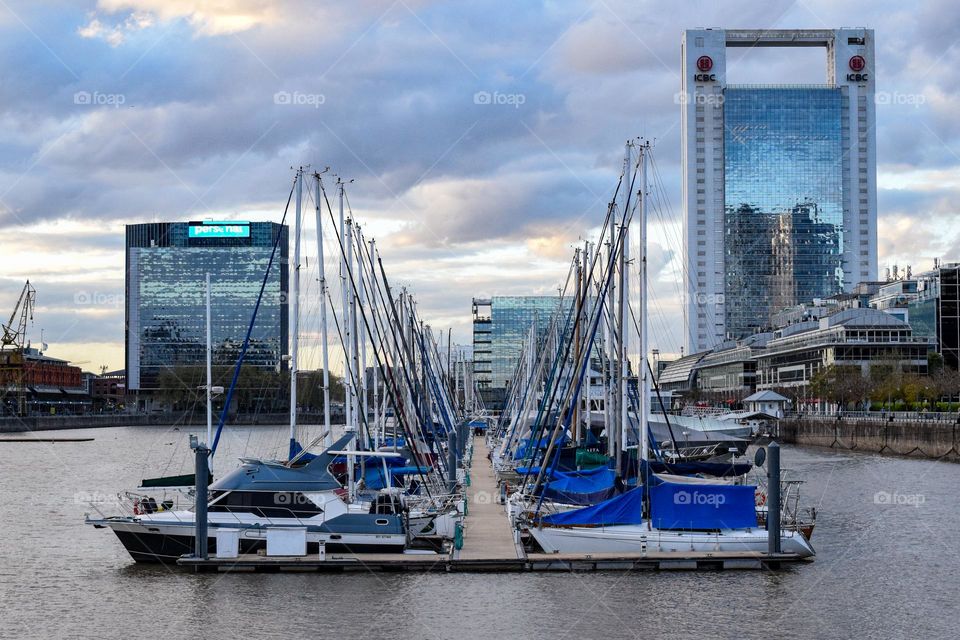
(345, 315)
(373, 344)
(644, 347)
(328, 439)
(623, 320)
(295, 310)
(209, 372)
(363, 403)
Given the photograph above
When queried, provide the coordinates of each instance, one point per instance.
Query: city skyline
(114, 120)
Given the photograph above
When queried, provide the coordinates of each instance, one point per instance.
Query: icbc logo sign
(857, 65)
(704, 65)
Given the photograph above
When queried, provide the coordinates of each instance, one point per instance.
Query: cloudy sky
(122, 111)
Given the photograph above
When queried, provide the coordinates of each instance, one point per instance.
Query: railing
(913, 417)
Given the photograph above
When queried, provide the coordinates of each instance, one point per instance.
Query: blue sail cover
(582, 488)
(702, 506)
(523, 450)
(715, 469)
(626, 508)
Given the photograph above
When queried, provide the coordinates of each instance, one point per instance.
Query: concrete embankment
(921, 439)
(56, 423)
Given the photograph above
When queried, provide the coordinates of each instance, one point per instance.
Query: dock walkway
(486, 533)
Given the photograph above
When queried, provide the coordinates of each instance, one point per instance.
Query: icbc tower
(779, 181)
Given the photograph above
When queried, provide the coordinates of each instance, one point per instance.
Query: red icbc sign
(704, 64)
(857, 65)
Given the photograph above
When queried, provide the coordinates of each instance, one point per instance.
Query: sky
(483, 138)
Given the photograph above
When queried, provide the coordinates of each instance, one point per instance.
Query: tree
(840, 385)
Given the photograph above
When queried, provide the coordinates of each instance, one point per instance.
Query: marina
(428, 320)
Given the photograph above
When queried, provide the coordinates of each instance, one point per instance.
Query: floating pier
(489, 545)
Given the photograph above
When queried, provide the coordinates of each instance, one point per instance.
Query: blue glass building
(501, 327)
(783, 202)
(166, 266)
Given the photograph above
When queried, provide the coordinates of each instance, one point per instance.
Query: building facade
(501, 327)
(779, 182)
(33, 383)
(166, 267)
(930, 303)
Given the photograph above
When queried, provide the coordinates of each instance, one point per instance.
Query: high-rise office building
(779, 181)
(501, 327)
(167, 263)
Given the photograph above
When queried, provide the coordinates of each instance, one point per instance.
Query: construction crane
(12, 361)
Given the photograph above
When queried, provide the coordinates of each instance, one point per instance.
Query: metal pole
(295, 312)
(644, 346)
(328, 439)
(201, 543)
(452, 460)
(345, 315)
(773, 498)
(624, 331)
(209, 369)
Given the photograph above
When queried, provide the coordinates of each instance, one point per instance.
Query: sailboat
(660, 514)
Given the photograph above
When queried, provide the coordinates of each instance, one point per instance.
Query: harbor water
(887, 564)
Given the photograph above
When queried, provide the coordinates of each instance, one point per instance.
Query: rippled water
(887, 565)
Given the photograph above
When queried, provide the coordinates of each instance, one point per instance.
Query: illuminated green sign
(215, 229)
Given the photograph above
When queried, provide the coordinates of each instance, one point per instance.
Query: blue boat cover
(583, 487)
(554, 474)
(702, 506)
(373, 476)
(715, 469)
(543, 443)
(626, 508)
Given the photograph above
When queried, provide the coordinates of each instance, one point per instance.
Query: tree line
(257, 390)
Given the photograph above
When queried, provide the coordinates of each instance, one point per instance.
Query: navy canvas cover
(582, 488)
(704, 507)
(626, 508)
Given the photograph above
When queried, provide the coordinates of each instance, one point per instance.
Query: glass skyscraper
(779, 181)
(783, 203)
(166, 267)
(501, 327)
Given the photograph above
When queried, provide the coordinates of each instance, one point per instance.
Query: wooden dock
(398, 562)
(486, 532)
(489, 546)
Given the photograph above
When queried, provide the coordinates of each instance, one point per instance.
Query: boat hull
(166, 543)
(639, 539)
